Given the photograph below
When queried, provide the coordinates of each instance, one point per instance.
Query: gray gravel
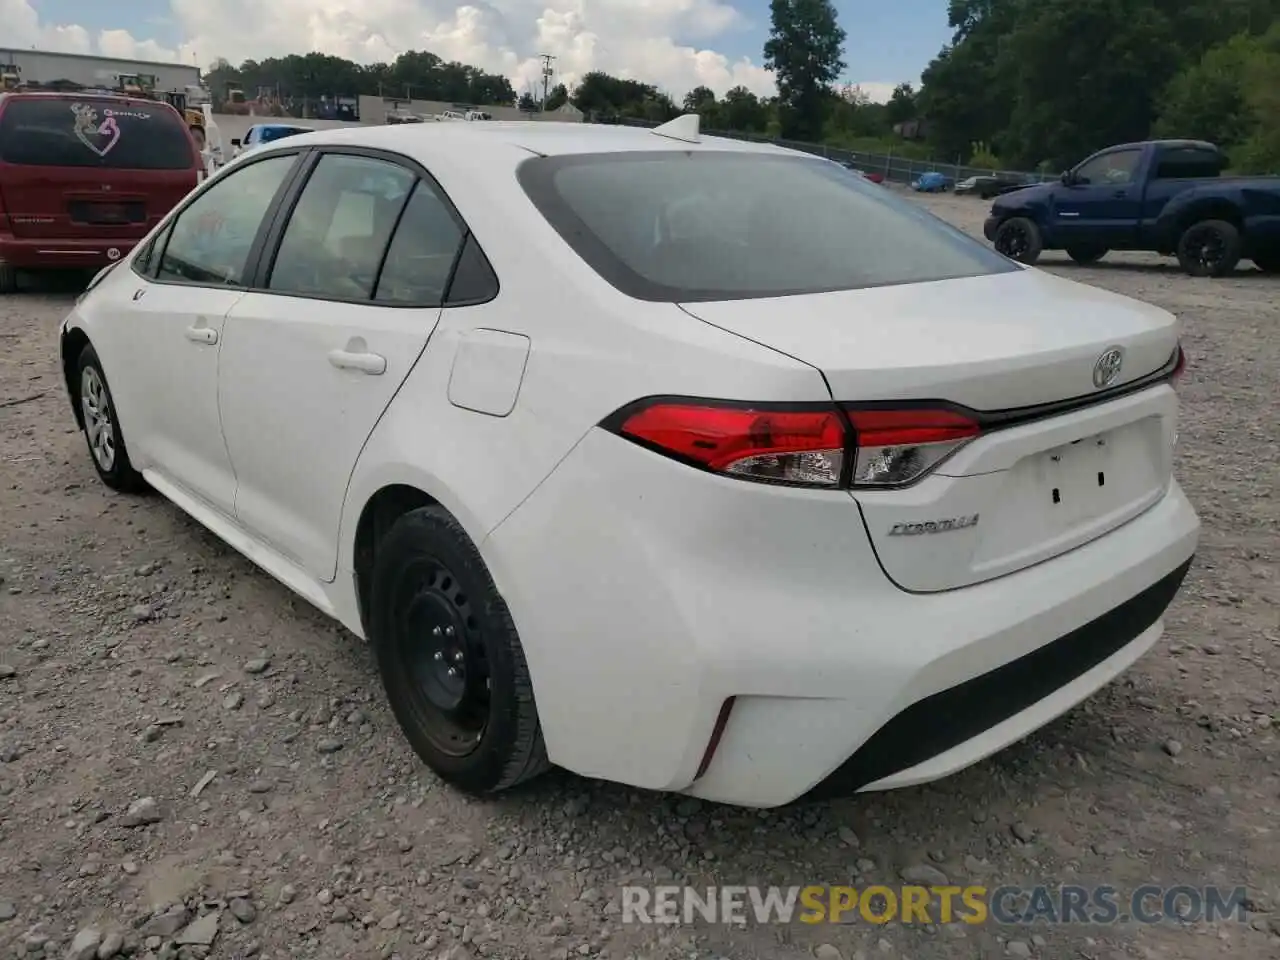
(141, 655)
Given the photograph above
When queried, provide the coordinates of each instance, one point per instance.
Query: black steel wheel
(1018, 238)
(450, 658)
(1210, 248)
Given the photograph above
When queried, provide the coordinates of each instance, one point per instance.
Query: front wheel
(1210, 248)
(1018, 238)
(450, 658)
(1086, 255)
(102, 426)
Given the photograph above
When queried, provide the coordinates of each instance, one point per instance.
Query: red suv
(83, 177)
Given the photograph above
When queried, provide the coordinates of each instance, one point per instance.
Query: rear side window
(421, 256)
(94, 133)
(1173, 163)
(340, 228)
(688, 226)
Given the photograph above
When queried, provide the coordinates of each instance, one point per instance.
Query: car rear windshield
(88, 132)
(718, 225)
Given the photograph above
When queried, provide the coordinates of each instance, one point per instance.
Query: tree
(902, 104)
(804, 50)
(742, 110)
(700, 100)
(557, 97)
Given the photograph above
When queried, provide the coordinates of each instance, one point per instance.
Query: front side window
(335, 239)
(1118, 167)
(707, 225)
(90, 132)
(211, 239)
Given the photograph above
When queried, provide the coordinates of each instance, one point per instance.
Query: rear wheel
(450, 658)
(1210, 248)
(102, 427)
(1018, 238)
(1086, 255)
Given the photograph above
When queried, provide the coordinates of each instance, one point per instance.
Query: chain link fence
(895, 169)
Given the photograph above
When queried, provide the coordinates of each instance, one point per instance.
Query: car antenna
(684, 127)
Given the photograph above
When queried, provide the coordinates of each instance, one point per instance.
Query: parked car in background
(1163, 196)
(84, 177)
(264, 133)
(931, 182)
(868, 175)
(990, 185)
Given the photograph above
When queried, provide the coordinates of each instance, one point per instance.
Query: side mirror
(235, 141)
(1066, 178)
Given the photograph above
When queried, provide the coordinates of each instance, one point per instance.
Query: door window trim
(258, 277)
(165, 232)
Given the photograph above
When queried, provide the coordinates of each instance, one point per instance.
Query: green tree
(902, 104)
(700, 100)
(742, 110)
(557, 97)
(805, 52)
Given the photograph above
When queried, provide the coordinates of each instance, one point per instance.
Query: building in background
(71, 71)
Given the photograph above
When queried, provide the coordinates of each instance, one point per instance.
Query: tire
(1268, 263)
(1086, 255)
(450, 658)
(1209, 248)
(102, 432)
(8, 279)
(1018, 238)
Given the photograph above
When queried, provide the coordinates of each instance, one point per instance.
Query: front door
(309, 365)
(1102, 205)
(172, 329)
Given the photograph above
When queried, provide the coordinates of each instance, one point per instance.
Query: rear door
(93, 169)
(309, 363)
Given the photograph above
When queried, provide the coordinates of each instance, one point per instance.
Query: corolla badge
(1107, 367)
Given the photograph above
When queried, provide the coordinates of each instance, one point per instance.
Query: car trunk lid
(1062, 459)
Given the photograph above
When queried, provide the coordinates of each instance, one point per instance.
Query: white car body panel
(647, 593)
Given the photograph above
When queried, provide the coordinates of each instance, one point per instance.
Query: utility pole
(548, 71)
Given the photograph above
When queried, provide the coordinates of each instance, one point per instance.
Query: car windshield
(89, 132)
(709, 225)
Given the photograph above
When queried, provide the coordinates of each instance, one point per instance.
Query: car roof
(544, 138)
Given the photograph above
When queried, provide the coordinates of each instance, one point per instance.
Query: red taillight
(814, 446)
(803, 446)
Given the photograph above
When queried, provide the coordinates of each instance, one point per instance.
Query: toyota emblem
(1107, 367)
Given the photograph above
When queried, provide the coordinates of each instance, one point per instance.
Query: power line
(548, 71)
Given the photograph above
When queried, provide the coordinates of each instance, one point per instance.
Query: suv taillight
(810, 445)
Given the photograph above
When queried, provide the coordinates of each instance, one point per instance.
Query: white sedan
(690, 463)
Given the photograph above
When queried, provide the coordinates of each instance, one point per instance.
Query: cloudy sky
(676, 44)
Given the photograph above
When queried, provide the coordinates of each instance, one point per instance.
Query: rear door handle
(370, 363)
(202, 334)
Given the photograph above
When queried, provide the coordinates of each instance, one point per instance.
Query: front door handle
(370, 363)
(202, 334)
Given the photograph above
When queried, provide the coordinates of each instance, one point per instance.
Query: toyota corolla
(694, 464)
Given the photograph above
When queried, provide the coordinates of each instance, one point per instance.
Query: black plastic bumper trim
(947, 719)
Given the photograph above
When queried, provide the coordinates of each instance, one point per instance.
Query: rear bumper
(647, 594)
(989, 228)
(39, 253)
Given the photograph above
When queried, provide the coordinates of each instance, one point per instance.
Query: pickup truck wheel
(1018, 238)
(1086, 255)
(1268, 263)
(1210, 248)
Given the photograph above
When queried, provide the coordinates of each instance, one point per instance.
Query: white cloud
(628, 38)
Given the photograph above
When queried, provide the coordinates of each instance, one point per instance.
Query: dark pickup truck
(1164, 196)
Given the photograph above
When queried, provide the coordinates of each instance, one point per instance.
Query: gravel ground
(194, 763)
